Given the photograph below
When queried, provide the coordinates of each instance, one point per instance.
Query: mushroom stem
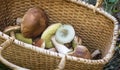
(60, 47)
(11, 28)
(76, 41)
(12, 34)
(52, 49)
(19, 21)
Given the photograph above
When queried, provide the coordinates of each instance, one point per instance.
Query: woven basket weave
(98, 30)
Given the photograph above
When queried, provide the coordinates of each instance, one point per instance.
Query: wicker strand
(7, 43)
(62, 63)
(10, 65)
(98, 4)
(12, 34)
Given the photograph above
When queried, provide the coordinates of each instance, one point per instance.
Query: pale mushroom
(60, 47)
(65, 34)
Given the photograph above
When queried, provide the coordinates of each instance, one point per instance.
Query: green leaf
(3, 67)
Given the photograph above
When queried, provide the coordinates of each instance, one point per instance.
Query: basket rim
(104, 60)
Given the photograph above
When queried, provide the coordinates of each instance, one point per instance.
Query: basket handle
(62, 63)
(98, 4)
(4, 61)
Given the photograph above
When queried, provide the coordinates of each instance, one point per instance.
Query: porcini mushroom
(39, 42)
(34, 22)
(19, 21)
(81, 51)
(9, 29)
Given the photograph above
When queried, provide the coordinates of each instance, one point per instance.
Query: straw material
(98, 30)
(12, 66)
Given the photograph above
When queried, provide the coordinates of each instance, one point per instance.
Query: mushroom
(81, 51)
(68, 45)
(76, 41)
(48, 33)
(34, 22)
(60, 47)
(20, 37)
(10, 30)
(12, 34)
(65, 34)
(39, 42)
(19, 21)
(52, 49)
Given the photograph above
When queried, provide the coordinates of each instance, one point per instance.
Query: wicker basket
(98, 30)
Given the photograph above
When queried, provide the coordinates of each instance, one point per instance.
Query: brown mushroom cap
(34, 22)
(38, 42)
(81, 51)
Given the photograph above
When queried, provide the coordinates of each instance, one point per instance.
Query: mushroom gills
(65, 34)
(60, 47)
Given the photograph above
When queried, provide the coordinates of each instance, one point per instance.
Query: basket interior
(95, 29)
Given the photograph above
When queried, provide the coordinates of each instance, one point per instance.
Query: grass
(3, 67)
